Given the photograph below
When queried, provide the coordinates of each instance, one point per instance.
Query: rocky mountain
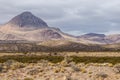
(27, 27)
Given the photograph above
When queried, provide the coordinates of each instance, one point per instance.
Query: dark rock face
(28, 19)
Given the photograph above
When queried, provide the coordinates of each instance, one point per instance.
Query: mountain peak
(26, 12)
(27, 19)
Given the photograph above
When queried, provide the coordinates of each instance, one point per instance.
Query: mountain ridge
(26, 26)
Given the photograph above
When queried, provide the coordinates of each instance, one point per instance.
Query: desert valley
(30, 49)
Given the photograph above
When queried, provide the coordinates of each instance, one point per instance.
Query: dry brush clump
(34, 71)
(74, 67)
(11, 65)
(101, 76)
(67, 78)
(65, 62)
(117, 68)
(28, 79)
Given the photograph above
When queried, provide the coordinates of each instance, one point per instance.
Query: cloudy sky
(72, 16)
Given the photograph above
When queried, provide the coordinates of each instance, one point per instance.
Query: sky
(75, 17)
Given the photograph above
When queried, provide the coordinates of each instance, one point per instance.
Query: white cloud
(74, 16)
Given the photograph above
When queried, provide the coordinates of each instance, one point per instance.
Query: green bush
(56, 59)
(86, 60)
(31, 59)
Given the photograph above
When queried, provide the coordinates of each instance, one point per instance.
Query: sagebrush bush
(101, 75)
(117, 68)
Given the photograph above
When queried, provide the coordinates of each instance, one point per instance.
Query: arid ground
(60, 66)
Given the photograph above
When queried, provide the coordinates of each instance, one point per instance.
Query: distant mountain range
(27, 27)
(101, 38)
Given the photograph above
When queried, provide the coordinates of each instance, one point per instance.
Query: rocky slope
(27, 19)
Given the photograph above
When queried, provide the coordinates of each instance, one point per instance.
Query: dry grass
(80, 54)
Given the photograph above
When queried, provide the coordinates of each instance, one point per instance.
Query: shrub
(101, 75)
(117, 68)
(28, 79)
(75, 68)
(33, 72)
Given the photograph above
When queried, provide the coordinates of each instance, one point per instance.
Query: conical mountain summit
(27, 19)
